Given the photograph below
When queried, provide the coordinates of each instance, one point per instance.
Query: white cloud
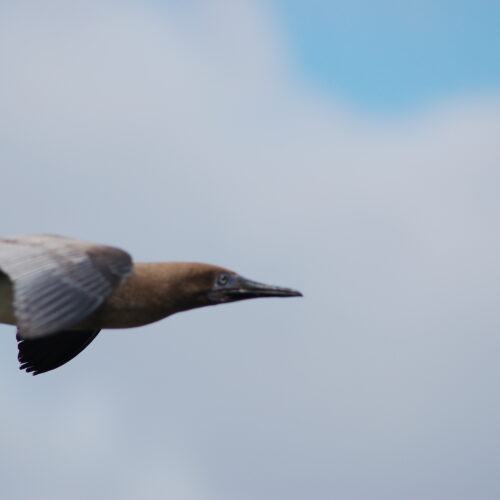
(179, 133)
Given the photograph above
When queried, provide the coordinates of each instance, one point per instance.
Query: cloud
(179, 133)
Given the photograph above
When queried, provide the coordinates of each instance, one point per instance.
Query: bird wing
(59, 281)
(43, 354)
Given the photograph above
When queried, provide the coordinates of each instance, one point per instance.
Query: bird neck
(154, 291)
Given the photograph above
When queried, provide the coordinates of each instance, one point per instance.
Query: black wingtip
(43, 354)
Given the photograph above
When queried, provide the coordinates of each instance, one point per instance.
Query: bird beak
(248, 289)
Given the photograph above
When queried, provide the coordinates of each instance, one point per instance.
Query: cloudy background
(346, 150)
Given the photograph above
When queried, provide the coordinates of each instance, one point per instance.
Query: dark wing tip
(40, 355)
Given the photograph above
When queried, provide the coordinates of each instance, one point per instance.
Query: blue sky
(390, 55)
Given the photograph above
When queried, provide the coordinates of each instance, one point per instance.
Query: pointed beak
(247, 289)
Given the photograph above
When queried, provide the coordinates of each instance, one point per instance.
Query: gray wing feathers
(59, 281)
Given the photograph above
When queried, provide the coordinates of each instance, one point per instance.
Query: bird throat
(153, 292)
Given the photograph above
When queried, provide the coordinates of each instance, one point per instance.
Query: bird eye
(223, 279)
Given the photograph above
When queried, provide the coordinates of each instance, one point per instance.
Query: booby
(60, 292)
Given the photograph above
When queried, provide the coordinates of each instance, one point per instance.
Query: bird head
(198, 285)
(228, 286)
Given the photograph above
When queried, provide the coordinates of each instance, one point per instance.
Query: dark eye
(223, 279)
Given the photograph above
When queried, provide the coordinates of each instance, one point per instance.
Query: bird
(60, 292)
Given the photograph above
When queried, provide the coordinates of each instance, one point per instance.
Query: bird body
(6, 309)
(60, 292)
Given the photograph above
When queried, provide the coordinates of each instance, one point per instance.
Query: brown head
(228, 286)
(187, 285)
(156, 290)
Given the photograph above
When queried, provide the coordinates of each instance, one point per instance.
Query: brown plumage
(60, 292)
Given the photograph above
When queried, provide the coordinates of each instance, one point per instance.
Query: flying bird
(60, 292)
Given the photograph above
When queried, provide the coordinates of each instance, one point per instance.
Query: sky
(258, 136)
(390, 56)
